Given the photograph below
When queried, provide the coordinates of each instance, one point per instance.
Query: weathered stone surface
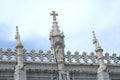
(55, 64)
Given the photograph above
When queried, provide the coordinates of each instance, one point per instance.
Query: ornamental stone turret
(57, 46)
(20, 68)
(102, 73)
(57, 40)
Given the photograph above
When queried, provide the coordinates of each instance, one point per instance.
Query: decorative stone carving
(64, 75)
(25, 54)
(107, 58)
(92, 57)
(50, 56)
(27, 57)
(9, 53)
(69, 57)
(77, 57)
(33, 55)
(102, 72)
(40, 55)
(114, 58)
(63, 70)
(85, 57)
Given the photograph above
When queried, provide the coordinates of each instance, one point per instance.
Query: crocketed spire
(55, 30)
(17, 37)
(96, 42)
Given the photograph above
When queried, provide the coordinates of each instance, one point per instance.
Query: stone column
(20, 68)
(102, 73)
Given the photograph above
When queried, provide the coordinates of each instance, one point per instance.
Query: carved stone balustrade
(39, 57)
(31, 56)
(7, 55)
(84, 58)
(107, 58)
(50, 56)
(42, 57)
(69, 57)
(76, 56)
(114, 58)
(93, 57)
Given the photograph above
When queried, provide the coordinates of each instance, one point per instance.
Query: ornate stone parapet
(84, 58)
(39, 57)
(78, 58)
(91, 58)
(7, 55)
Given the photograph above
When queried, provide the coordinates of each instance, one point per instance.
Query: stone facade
(55, 64)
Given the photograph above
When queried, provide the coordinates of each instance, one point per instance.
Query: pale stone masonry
(20, 68)
(55, 64)
(102, 73)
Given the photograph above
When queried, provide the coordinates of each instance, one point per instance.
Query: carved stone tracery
(70, 58)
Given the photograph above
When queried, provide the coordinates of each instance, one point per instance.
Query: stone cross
(54, 15)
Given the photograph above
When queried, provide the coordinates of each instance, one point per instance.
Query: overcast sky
(77, 19)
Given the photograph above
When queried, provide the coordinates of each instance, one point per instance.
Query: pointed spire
(17, 37)
(94, 38)
(96, 42)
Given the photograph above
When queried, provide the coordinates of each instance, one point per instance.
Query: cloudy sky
(77, 19)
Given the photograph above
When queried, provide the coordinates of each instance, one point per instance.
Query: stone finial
(96, 42)
(17, 33)
(94, 38)
(102, 71)
(55, 30)
(54, 15)
(17, 37)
